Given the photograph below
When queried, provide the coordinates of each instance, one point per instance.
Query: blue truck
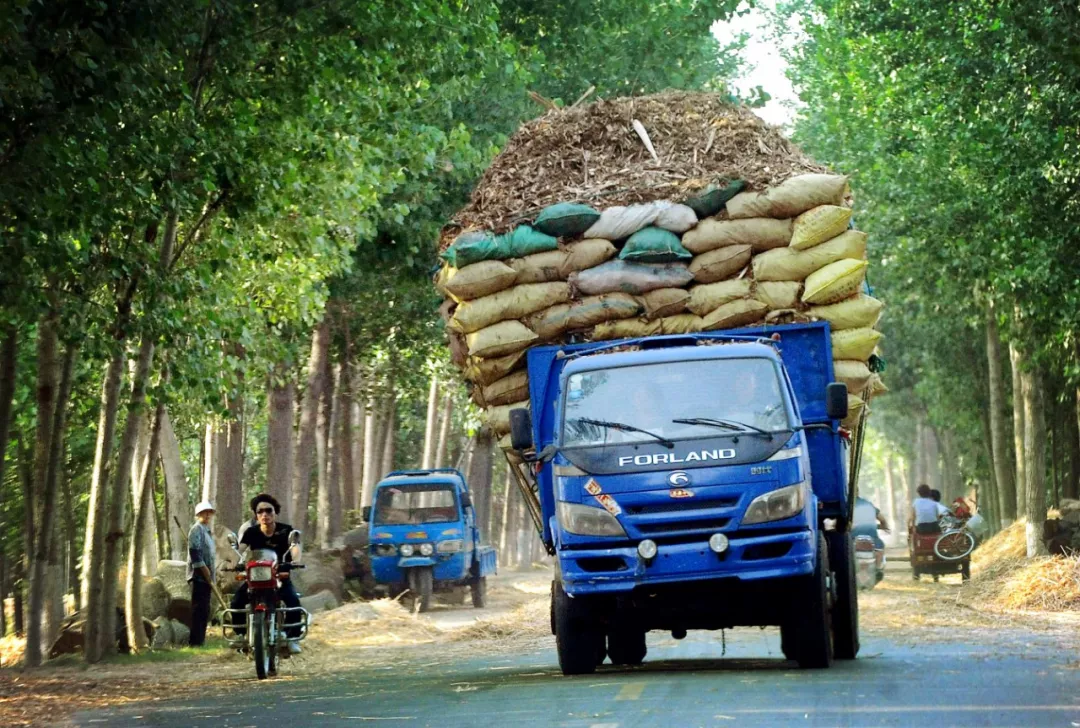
(692, 482)
(423, 536)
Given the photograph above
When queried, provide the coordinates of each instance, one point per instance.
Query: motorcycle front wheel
(259, 646)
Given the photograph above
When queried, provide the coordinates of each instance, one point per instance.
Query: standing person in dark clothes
(269, 534)
(200, 571)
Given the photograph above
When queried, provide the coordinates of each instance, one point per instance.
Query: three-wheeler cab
(424, 537)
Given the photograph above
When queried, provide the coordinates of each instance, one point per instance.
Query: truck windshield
(415, 504)
(743, 392)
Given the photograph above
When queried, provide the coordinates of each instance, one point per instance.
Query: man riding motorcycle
(272, 535)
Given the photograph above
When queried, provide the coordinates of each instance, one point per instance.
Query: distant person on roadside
(200, 571)
(925, 511)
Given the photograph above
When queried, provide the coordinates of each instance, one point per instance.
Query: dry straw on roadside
(1005, 577)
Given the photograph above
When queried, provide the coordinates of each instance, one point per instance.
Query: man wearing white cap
(200, 570)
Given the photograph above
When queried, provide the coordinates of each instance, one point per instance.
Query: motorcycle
(869, 563)
(267, 620)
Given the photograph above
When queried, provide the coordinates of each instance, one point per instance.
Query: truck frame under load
(692, 482)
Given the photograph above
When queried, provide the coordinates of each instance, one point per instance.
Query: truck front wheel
(575, 635)
(814, 648)
(845, 617)
(626, 646)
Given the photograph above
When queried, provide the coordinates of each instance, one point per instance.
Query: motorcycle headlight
(776, 505)
(587, 521)
(406, 549)
(452, 546)
(426, 549)
(260, 573)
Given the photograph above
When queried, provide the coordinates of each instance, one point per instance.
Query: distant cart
(948, 552)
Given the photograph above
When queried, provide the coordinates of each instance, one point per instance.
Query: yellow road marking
(631, 691)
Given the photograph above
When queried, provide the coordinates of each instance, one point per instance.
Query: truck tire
(575, 635)
(551, 607)
(478, 587)
(626, 646)
(845, 616)
(601, 648)
(789, 638)
(814, 648)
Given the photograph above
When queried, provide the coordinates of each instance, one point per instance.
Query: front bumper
(749, 557)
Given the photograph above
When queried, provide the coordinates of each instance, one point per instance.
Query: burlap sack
(513, 388)
(498, 417)
(513, 303)
(479, 279)
(708, 297)
(716, 265)
(877, 387)
(855, 344)
(855, 409)
(760, 233)
(822, 223)
(505, 337)
(589, 311)
(629, 329)
(788, 264)
(620, 222)
(790, 198)
(835, 282)
(675, 217)
(557, 265)
(617, 276)
(743, 312)
(664, 302)
(857, 312)
(587, 253)
(684, 323)
(855, 374)
(778, 295)
(486, 371)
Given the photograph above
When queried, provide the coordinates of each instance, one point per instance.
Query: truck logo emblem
(678, 478)
(680, 493)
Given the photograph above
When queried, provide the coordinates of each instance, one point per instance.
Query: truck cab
(424, 536)
(686, 483)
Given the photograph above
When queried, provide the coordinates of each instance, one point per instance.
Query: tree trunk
(1071, 444)
(329, 511)
(1035, 465)
(43, 500)
(94, 545)
(1055, 453)
(72, 542)
(1016, 360)
(3, 590)
(509, 534)
(323, 445)
(149, 552)
(479, 477)
(142, 507)
(230, 461)
(279, 437)
(951, 485)
(390, 437)
(114, 542)
(210, 457)
(178, 510)
(987, 497)
(430, 422)
(504, 507)
(920, 453)
(890, 496)
(309, 412)
(933, 459)
(371, 452)
(349, 480)
(443, 442)
(8, 364)
(1001, 462)
(55, 575)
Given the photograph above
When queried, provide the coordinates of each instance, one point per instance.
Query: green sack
(477, 245)
(566, 219)
(654, 245)
(712, 199)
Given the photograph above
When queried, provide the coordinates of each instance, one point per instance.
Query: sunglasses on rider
(260, 511)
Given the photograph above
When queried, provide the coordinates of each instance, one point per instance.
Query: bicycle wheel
(954, 545)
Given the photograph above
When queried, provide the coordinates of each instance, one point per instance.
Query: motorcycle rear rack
(228, 629)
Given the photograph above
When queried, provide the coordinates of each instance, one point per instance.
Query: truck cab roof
(416, 477)
(681, 349)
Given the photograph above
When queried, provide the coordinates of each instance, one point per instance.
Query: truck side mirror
(466, 500)
(521, 429)
(365, 514)
(836, 402)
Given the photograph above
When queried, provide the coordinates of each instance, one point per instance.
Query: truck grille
(676, 506)
(709, 525)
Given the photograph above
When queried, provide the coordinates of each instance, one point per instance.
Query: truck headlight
(451, 547)
(406, 550)
(775, 505)
(426, 549)
(587, 521)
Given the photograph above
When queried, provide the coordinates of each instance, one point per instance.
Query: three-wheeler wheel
(845, 616)
(478, 586)
(422, 584)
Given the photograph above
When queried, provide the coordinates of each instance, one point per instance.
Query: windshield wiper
(734, 425)
(625, 428)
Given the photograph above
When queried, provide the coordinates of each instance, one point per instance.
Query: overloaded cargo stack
(665, 214)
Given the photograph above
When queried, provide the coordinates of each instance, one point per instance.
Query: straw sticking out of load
(576, 233)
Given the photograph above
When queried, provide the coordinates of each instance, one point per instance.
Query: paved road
(688, 683)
